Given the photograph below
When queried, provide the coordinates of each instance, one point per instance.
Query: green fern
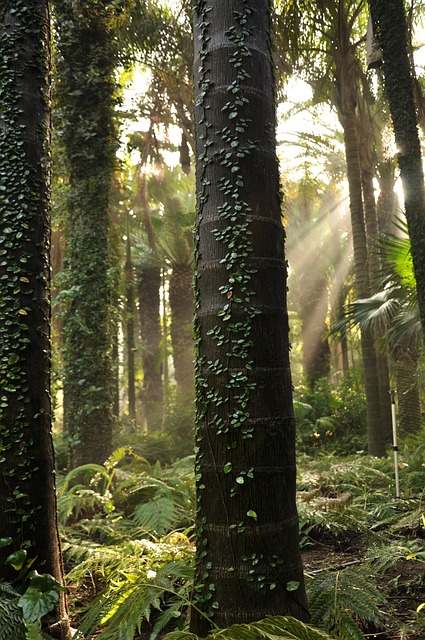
(338, 600)
(158, 515)
(271, 628)
(11, 618)
(120, 611)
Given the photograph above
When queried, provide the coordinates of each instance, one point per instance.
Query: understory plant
(25, 603)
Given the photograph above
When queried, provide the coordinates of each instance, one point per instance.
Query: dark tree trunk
(247, 524)
(181, 330)
(27, 487)
(85, 94)
(391, 31)
(149, 283)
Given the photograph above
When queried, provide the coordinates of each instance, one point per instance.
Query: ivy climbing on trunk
(28, 525)
(247, 561)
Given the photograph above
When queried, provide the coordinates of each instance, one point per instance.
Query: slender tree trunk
(375, 426)
(313, 311)
(247, 525)
(130, 308)
(27, 487)
(149, 282)
(390, 29)
(368, 163)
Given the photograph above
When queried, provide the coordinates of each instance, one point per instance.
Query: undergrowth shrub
(331, 418)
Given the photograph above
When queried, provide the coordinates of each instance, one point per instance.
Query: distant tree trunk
(391, 31)
(130, 309)
(181, 299)
(346, 100)
(148, 287)
(247, 527)
(86, 89)
(313, 310)
(27, 486)
(368, 162)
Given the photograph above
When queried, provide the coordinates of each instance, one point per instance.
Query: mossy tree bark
(391, 31)
(27, 488)
(86, 90)
(248, 561)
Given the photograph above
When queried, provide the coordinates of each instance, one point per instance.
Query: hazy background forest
(124, 203)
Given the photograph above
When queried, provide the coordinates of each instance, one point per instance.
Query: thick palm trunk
(27, 487)
(390, 28)
(247, 525)
(181, 330)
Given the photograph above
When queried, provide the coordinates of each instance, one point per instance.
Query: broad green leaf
(17, 559)
(4, 542)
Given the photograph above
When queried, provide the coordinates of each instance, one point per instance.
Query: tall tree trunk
(150, 322)
(247, 525)
(27, 487)
(346, 100)
(85, 92)
(368, 161)
(390, 29)
(375, 427)
(181, 330)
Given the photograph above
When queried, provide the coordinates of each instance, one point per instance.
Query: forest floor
(403, 585)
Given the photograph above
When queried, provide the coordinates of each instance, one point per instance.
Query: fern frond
(271, 628)
(11, 619)
(159, 514)
(335, 598)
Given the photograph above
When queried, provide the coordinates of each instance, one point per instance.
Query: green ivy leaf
(40, 597)
(251, 514)
(17, 559)
(292, 585)
(4, 542)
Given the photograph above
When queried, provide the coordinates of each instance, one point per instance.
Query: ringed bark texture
(391, 30)
(247, 524)
(27, 488)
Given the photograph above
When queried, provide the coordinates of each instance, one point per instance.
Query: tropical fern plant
(11, 618)
(271, 628)
(341, 601)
